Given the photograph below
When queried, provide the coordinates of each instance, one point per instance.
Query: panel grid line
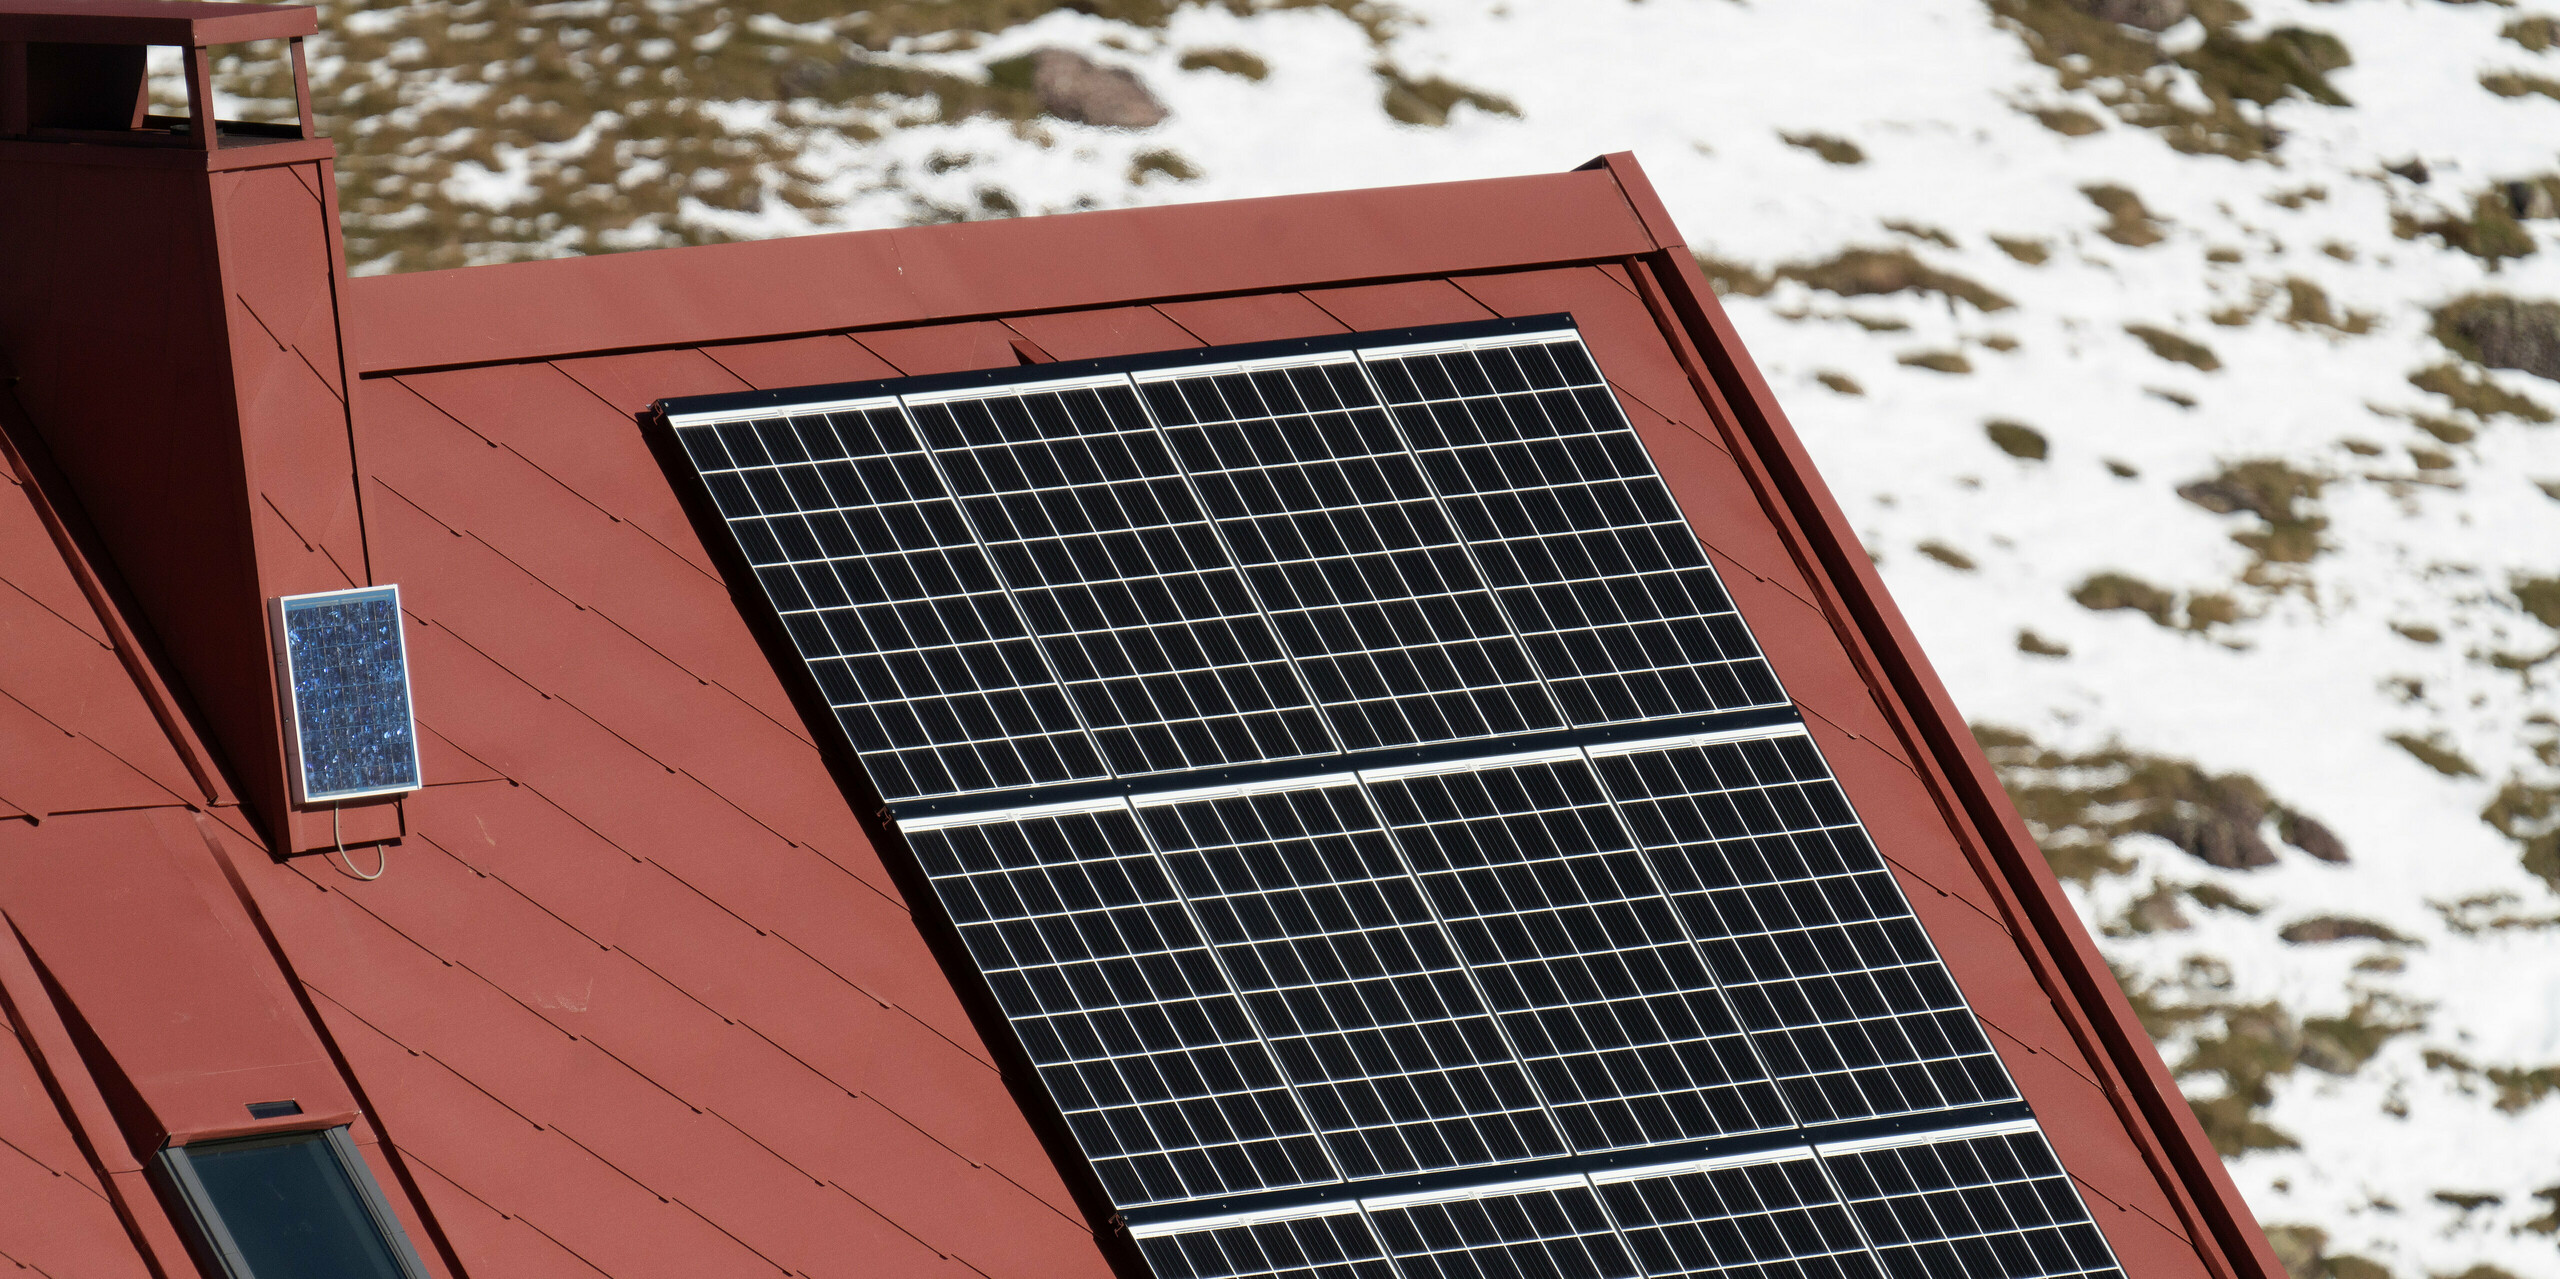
(1369, 374)
(1811, 939)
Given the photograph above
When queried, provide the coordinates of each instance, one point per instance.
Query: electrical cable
(382, 855)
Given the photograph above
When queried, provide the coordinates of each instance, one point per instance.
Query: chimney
(170, 292)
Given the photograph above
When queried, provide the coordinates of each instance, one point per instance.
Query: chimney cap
(189, 23)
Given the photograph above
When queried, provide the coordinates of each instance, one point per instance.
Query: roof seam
(823, 966)
(1881, 748)
(321, 992)
(2046, 1053)
(977, 1054)
(447, 739)
(502, 881)
(72, 1177)
(541, 470)
(102, 641)
(503, 1214)
(307, 544)
(592, 717)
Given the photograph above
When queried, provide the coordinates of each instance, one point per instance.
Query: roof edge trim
(762, 289)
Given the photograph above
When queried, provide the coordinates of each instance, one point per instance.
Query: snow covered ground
(2402, 1117)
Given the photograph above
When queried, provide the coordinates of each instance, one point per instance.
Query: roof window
(298, 1205)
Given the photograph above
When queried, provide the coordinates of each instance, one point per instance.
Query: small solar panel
(1380, 829)
(343, 668)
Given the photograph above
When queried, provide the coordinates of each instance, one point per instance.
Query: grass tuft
(2017, 439)
(1235, 62)
(2477, 395)
(1833, 150)
(1936, 361)
(2307, 304)
(2036, 645)
(1428, 103)
(2174, 348)
(2109, 592)
(2436, 754)
(1869, 272)
(2127, 68)
(2516, 84)
(2080, 805)
(1161, 163)
(2128, 221)
(2273, 491)
(2031, 252)
(1730, 278)
(2490, 234)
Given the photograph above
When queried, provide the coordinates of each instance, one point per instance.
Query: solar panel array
(1386, 839)
(346, 684)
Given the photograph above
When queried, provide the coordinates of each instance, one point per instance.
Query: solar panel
(1811, 941)
(1771, 1216)
(891, 599)
(1380, 1026)
(1383, 835)
(1549, 486)
(343, 668)
(1351, 551)
(1552, 1229)
(1603, 994)
(1165, 1081)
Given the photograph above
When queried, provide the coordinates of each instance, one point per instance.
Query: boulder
(2504, 332)
(1074, 87)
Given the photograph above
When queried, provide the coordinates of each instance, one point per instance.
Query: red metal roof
(638, 995)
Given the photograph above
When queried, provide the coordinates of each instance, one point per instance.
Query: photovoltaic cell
(1776, 1219)
(1809, 937)
(347, 679)
(1155, 572)
(1334, 1246)
(1966, 1204)
(1548, 1233)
